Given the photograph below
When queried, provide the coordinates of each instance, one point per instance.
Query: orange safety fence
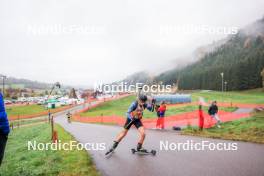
(184, 119)
(191, 118)
(221, 104)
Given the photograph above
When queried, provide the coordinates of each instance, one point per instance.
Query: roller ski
(112, 149)
(143, 152)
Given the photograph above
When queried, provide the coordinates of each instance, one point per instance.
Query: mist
(82, 42)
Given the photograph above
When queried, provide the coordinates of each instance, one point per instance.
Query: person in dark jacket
(4, 128)
(212, 111)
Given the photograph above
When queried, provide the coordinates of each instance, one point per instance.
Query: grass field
(119, 108)
(24, 110)
(255, 96)
(28, 121)
(248, 129)
(115, 107)
(19, 160)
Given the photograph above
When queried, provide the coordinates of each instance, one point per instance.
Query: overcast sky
(79, 42)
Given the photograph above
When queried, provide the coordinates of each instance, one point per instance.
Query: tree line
(241, 59)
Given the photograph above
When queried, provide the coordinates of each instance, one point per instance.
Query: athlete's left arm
(148, 107)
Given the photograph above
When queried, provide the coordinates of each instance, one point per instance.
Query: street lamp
(225, 85)
(222, 75)
(3, 89)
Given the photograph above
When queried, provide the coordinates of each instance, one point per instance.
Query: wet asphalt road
(243, 110)
(247, 160)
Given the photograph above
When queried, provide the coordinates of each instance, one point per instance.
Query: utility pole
(225, 85)
(3, 85)
(54, 133)
(222, 75)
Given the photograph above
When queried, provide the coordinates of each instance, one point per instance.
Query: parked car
(14, 101)
(41, 102)
(7, 102)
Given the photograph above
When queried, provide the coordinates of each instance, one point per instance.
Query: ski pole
(133, 119)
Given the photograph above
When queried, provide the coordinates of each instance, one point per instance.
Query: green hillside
(241, 59)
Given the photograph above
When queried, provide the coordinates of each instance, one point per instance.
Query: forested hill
(138, 77)
(241, 59)
(25, 83)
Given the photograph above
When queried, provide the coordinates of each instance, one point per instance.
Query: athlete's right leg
(121, 135)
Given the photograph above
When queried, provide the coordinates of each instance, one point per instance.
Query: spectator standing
(4, 128)
(161, 114)
(213, 112)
